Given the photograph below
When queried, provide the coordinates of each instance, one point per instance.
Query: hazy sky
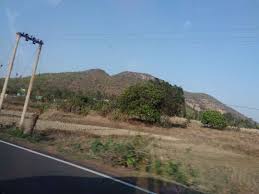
(209, 46)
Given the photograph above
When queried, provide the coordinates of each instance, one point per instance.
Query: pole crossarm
(30, 37)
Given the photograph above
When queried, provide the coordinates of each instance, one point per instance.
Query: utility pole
(30, 86)
(18, 36)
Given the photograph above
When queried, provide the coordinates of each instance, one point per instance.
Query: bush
(158, 166)
(128, 154)
(213, 119)
(192, 114)
(18, 133)
(174, 169)
(135, 152)
(76, 104)
(148, 101)
(235, 121)
(103, 108)
(117, 115)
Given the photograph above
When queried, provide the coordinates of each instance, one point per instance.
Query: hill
(201, 102)
(98, 81)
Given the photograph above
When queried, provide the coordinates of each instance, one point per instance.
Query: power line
(244, 107)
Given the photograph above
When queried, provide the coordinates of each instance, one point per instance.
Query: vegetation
(240, 123)
(128, 154)
(173, 168)
(77, 104)
(213, 119)
(209, 173)
(16, 132)
(191, 113)
(149, 100)
(134, 153)
(96, 84)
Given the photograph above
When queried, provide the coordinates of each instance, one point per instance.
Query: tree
(231, 120)
(148, 101)
(213, 119)
(173, 102)
(239, 122)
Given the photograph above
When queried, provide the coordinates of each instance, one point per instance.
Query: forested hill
(98, 81)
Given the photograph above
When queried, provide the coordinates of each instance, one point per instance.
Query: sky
(201, 45)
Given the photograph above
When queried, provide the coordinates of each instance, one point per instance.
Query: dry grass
(227, 161)
(219, 170)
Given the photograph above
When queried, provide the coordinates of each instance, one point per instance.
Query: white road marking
(80, 167)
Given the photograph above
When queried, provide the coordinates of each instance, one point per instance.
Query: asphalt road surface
(29, 172)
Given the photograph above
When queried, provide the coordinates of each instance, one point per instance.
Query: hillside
(201, 101)
(98, 81)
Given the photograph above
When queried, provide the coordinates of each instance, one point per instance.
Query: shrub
(97, 146)
(174, 169)
(192, 114)
(158, 167)
(235, 121)
(127, 154)
(104, 108)
(213, 119)
(230, 119)
(18, 133)
(117, 115)
(135, 153)
(77, 104)
(84, 110)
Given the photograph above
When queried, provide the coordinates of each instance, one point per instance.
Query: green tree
(230, 120)
(213, 119)
(239, 122)
(148, 101)
(173, 102)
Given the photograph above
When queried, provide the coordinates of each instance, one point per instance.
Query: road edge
(80, 167)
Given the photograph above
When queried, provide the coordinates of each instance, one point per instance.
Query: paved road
(29, 172)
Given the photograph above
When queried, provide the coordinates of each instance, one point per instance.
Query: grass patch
(134, 153)
(18, 133)
(131, 153)
(175, 170)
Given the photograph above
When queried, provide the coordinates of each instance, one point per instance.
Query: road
(26, 171)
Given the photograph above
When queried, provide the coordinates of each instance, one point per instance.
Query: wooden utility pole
(30, 86)
(10, 67)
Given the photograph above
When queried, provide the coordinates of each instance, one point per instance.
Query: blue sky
(202, 45)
